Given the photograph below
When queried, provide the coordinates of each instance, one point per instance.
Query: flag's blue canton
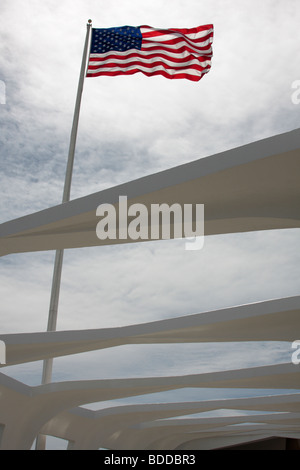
(115, 39)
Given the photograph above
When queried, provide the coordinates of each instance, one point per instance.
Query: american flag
(173, 53)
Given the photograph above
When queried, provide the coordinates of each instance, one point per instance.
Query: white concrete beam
(272, 320)
(29, 408)
(253, 187)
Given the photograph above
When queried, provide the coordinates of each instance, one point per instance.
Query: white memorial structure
(251, 188)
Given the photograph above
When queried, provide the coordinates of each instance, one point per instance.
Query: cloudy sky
(130, 127)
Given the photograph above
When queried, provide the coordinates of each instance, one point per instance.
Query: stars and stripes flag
(173, 53)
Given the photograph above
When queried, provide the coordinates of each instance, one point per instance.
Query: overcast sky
(131, 127)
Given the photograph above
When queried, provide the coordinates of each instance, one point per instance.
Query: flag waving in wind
(173, 53)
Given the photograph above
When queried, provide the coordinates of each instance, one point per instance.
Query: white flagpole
(53, 308)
